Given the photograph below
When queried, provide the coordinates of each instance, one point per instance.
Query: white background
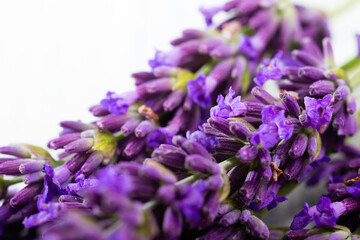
(57, 58)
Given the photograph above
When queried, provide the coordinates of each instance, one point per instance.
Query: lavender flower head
(228, 107)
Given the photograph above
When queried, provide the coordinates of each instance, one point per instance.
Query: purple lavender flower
(198, 91)
(319, 111)
(270, 70)
(273, 128)
(166, 58)
(209, 14)
(118, 103)
(228, 107)
(328, 213)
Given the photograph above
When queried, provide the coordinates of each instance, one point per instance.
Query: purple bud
(62, 174)
(99, 111)
(201, 164)
(93, 161)
(15, 150)
(33, 178)
(249, 188)
(80, 145)
(170, 156)
(130, 125)
(240, 130)
(144, 128)
(321, 88)
(281, 152)
(174, 100)
(76, 125)
(223, 51)
(254, 108)
(210, 44)
(172, 223)
(299, 146)
(11, 167)
(112, 122)
(290, 104)
(305, 58)
(351, 105)
(264, 157)
(63, 140)
(258, 228)
(219, 73)
(32, 166)
(166, 194)
(263, 96)
(215, 182)
(134, 147)
(247, 153)
(293, 168)
(211, 204)
(75, 163)
(25, 195)
(312, 148)
(341, 93)
(155, 86)
(311, 73)
(245, 215)
(220, 124)
(304, 120)
(230, 218)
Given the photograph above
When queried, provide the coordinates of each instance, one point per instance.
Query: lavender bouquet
(201, 149)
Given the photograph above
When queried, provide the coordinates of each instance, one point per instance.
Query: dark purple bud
(264, 157)
(29, 209)
(311, 73)
(201, 164)
(305, 58)
(225, 208)
(174, 100)
(130, 125)
(254, 108)
(112, 122)
(247, 153)
(166, 194)
(230, 218)
(304, 120)
(164, 71)
(172, 223)
(11, 167)
(290, 104)
(263, 96)
(144, 128)
(258, 228)
(293, 168)
(91, 164)
(33, 177)
(15, 150)
(339, 118)
(63, 140)
(134, 147)
(217, 233)
(170, 156)
(155, 86)
(299, 146)
(266, 174)
(32, 166)
(25, 195)
(321, 88)
(295, 123)
(220, 124)
(80, 145)
(76, 125)
(5, 212)
(237, 177)
(250, 187)
(281, 151)
(341, 93)
(240, 130)
(99, 110)
(75, 163)
(219, 73)
(156, 172)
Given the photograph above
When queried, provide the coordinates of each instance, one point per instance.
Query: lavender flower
(270, 70)
(228, 107)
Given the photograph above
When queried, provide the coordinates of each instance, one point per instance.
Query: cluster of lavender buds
(202, 149)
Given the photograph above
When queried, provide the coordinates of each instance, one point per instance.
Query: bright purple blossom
(199, 136)
(270, 70)
(118, 103)
(328, 213)
(273, 128)
(319, 111)
(198, 92)
(157, 137)
(247, 47)
(228, 107)
(303, 218)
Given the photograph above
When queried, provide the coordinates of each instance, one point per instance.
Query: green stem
(351, 65)
(8, 182)
(355, 80)
(227, 165)
(340, 10)
(119, 136)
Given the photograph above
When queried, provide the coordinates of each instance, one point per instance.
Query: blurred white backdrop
(57, 58)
